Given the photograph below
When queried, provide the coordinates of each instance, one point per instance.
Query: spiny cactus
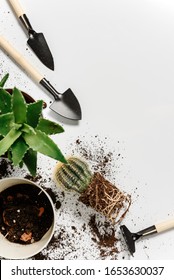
(73, 176)
(94, 189)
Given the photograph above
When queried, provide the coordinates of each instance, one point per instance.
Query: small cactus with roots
(73, 176)
(94, 189)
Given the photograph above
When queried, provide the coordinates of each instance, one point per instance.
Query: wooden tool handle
(17, 7)
(165, 225)
(20, 60)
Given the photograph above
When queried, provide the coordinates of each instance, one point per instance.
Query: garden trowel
(65, 104)
(130, 237)
(36, 40)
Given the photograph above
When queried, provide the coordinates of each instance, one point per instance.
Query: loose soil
(105, 240)
(25, 214)
(80, 232)
(5, 168)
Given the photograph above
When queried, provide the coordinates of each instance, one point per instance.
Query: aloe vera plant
(23, 130)
(94, 189)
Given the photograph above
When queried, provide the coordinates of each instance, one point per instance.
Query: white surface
(117, 56)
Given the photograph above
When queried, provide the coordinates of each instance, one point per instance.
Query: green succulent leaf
(23, 130)
(9, 155)
(28, 129)
(19, 148)
(9, 139)
(34, 111)
(5, 101)
(49, 127)
(30, 160)
(19, 106)
(4, 79)
(6, 123)
(21, 164)
(40, 142)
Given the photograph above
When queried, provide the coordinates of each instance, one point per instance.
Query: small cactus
(94, 189)
(75, 175)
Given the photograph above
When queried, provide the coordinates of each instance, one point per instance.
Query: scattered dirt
(6, 168)
(104, 237)
(96, 153)
(69, 240)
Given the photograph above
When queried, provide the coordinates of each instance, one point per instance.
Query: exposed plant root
(106, 198)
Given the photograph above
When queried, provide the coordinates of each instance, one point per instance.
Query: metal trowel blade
(38, 44)
(67, 106)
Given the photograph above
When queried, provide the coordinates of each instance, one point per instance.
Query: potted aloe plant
(24, 131)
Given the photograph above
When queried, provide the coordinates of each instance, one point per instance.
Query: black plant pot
(28, 98)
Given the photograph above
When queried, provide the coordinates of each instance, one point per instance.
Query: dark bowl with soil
(28, 98)
(27, 218)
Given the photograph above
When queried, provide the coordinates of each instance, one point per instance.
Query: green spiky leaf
(6, 123)
(9, 155)
(40, 142)
(19, 148)
(28, 129)
(21, 164)
(5, 102)
(49, 127)
(34, 111)
(30, 160)
(19, 106)
(9, 139)
(24, 132)
(4, 79)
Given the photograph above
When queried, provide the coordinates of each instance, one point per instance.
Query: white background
(118, 58)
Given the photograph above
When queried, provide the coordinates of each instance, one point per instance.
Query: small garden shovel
(130, 237)
(36, 40)
(65, 104)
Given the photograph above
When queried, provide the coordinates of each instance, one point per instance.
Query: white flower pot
(10, 250)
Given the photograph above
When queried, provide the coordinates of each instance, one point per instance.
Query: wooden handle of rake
(165, 225)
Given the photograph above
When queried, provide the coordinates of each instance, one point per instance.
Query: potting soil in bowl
(25, 213)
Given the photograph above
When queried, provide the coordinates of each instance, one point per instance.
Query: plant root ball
(106, 198)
